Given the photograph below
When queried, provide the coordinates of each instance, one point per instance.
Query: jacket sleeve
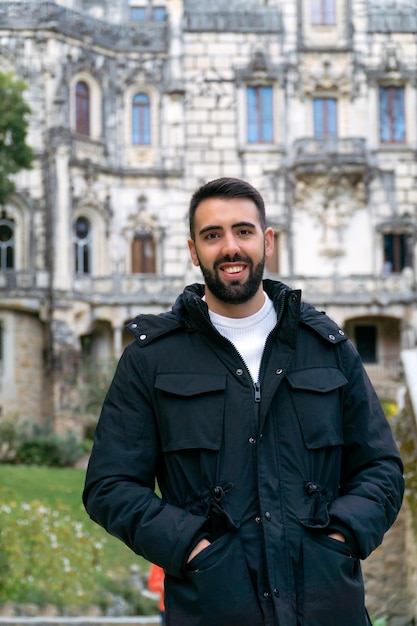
(119, 492)
(372, 483)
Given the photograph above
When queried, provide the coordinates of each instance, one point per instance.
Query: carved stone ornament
(325, 77)
(259, 69)
(331, 202)
(141, 221)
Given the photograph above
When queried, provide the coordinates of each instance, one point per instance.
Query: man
(277, 468)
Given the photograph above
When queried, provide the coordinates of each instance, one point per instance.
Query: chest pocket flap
(316, 398)
(190, 409)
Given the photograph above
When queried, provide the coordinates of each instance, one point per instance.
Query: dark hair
(226, 188)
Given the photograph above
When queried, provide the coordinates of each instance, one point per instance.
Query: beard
(234, 292)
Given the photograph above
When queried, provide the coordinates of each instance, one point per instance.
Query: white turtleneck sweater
(248, 334)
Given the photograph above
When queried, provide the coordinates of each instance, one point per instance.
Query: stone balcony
(392, 18)
(118, 289)
(215, 18)
(364, 289)
(317, 155)
(147, 35)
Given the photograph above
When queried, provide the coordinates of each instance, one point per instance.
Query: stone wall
(386, 575)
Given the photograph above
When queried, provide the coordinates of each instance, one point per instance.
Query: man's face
(230, 248)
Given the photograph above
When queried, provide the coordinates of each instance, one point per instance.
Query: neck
(236, 311)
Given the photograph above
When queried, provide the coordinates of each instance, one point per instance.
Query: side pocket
(217, 589)
(330, 590)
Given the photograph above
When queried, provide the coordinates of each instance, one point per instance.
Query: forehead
(224, 212)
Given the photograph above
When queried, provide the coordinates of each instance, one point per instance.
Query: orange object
(156, 583)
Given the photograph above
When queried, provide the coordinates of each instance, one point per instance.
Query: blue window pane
(399, 117)
(331, 117)
(141, 98)
(159, 14)
(138, 14)
(318, 117)
(259, 103)
(384, 121)
(252, 115)
(267, 115)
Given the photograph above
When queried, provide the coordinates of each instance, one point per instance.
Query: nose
(230, 245)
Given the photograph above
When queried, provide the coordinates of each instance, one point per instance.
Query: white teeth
(234, 270)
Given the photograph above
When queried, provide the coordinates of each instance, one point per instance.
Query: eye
(244, 232)
(211, 236)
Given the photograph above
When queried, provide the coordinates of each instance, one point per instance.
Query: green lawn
(61, 489)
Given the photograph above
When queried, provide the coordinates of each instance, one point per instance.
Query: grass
(61, 489)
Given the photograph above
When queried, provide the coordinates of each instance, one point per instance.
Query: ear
(193, 252)
(269, 242)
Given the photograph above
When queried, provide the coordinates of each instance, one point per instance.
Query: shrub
(134, 601)
(50, 449)
(46, 557)
(12, 430)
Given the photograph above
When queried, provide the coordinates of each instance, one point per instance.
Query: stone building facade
(137, 102)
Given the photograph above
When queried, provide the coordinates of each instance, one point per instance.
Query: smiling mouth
(236, 269)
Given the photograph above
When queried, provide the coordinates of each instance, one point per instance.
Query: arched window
(82, 246)
(143, 253)
(82, 108)
(7, 243)
(141, 120)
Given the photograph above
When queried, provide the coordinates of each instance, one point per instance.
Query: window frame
(141, 116)
(260, 114)
(141, 263)
(323, 13)
(83, 252)
(322, 115)
(396, 252)
(392, 114)
(8, 247)
(83, 109)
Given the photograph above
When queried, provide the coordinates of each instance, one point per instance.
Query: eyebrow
(206, 229)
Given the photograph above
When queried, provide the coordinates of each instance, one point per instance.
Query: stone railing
(338, 150)
(148, 35)
(113, 288)
(357, 289)
(23, 280)
(118, 287)
(266, 20)
(392, 18)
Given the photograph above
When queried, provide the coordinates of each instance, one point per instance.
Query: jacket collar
(190, 312)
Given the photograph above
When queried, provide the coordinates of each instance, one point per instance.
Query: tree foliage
(15, 154)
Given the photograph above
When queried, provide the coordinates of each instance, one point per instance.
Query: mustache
(236, 259)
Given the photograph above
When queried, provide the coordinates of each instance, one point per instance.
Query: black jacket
(264, 471)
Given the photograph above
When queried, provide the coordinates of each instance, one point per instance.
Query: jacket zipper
(257, 384)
